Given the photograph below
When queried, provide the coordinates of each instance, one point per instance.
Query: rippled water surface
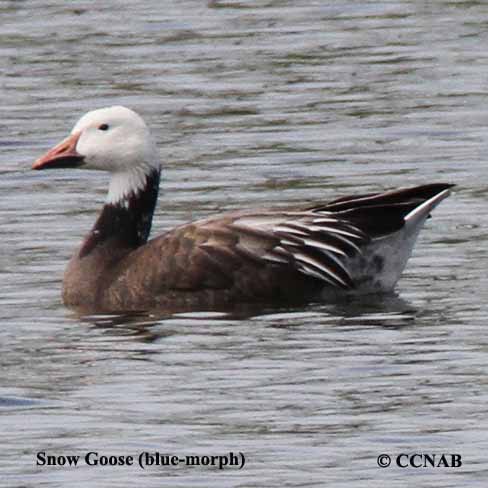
(252, 104)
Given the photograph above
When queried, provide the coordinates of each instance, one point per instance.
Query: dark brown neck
(126, 223)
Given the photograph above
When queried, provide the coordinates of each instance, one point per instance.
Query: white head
(113, 139)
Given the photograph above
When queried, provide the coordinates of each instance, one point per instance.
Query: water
(252, 104)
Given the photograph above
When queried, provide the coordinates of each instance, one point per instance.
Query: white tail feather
(422, 211)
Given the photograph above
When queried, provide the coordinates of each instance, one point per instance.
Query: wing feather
(312, 244)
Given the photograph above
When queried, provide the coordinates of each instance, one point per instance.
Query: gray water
(252, 104)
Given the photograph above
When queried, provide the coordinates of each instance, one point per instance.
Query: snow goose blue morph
(353, 245)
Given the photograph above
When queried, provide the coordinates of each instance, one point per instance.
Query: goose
(356, 244)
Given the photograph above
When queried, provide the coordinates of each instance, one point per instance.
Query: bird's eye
(103, 127)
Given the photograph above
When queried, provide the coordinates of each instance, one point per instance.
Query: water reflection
(16, 402)
(389, 311)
